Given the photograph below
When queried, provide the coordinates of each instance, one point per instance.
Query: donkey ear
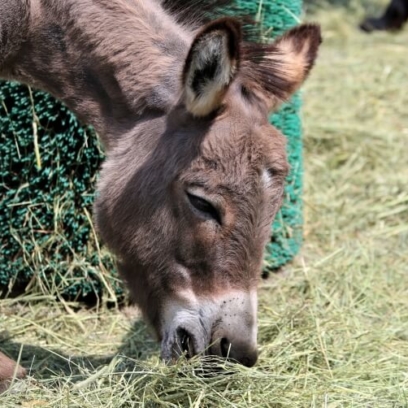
(211, 65)
(276, 71)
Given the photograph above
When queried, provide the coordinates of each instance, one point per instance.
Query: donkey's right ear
(211, 65)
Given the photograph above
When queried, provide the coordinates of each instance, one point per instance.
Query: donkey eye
(204, 207)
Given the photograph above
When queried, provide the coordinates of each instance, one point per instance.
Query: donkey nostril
(238, 352)
(225, 347)
(185, 343)
(250, 359)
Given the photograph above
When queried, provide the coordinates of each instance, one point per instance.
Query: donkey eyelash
(204, 207)
(272, 173)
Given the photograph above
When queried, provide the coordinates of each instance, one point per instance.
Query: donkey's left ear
(275, 71)
(211, 65)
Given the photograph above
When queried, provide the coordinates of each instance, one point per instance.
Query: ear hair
(274, 72)
(211, 66)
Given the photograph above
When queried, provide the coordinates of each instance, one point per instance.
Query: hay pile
(333, 329)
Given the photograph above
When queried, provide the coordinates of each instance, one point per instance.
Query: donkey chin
(223, 326)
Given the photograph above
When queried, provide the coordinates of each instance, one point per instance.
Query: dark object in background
(394, 18)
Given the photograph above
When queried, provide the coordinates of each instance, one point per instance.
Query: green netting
(48, 169)
(47, 180)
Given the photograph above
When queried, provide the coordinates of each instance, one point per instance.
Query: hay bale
(48, 168)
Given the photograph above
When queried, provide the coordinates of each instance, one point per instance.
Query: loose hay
(333, 330)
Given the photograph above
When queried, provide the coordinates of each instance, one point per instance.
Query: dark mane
(199, 12)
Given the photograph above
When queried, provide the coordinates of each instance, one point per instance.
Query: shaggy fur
(194, 173)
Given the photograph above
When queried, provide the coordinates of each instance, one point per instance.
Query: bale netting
(48, 168)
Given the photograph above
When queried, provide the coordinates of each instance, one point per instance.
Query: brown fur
(8, 368)
(118, 64)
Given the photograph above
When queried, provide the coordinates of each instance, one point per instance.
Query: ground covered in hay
(333, 326)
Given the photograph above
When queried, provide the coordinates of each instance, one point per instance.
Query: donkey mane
(199, 12)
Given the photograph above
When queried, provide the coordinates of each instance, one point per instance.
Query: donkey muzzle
(223, 326)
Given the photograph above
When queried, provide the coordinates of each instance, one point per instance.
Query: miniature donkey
(194, 173)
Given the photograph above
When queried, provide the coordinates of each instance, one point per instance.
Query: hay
(333, 329)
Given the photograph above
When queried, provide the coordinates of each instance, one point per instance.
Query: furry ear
(211, 65)
(274, 72)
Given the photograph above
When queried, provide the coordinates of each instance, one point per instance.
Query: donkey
(194, 172)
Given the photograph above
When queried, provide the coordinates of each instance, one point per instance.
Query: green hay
(333, 330)
(48, 169)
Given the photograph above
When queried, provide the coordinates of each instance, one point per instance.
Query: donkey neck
(111, 62)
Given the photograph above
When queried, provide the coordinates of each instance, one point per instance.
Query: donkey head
(187, 204)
